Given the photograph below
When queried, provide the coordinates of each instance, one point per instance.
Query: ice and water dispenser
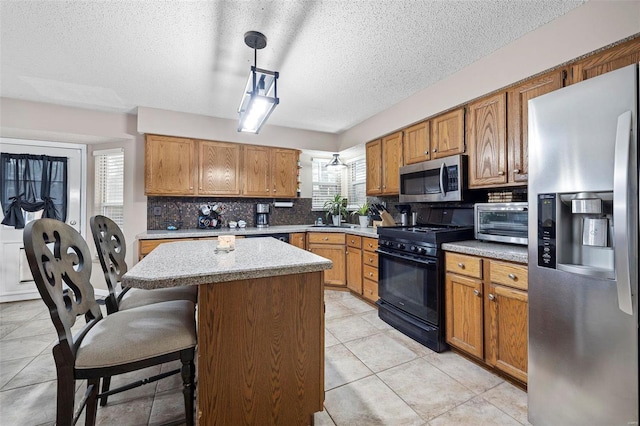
(575, 233)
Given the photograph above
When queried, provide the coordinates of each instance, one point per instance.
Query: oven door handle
(409, 258)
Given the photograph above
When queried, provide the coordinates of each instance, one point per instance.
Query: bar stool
(129, 340)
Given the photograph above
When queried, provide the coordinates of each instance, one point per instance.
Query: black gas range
(411, 283)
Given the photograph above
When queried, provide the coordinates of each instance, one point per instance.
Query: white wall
(172, 123)
(583, 30)
(99, 130)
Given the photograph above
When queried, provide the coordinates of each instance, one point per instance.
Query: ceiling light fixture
(260, 95)
(335, 163)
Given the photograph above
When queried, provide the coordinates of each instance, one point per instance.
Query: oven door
(410, 283)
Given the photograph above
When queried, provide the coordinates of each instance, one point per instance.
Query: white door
(16, 282)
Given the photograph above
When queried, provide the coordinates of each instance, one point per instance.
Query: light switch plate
(157, 211)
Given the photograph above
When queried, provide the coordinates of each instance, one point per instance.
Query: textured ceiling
(340, 62)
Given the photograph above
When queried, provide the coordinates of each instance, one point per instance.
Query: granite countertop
(184, 263)
(508, 252)
(283, 229)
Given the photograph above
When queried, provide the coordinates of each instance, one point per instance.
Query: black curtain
(32, 183)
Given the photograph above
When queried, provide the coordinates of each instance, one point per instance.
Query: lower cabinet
(330, 246)
(354, 263)
(370, 269)
(486, 311)
(298, 239)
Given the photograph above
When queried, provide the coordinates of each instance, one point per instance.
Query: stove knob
(414, 248)
(422, 251)
(401, 246)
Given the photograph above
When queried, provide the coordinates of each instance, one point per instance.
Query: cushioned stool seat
(136, 297)
(141, 333)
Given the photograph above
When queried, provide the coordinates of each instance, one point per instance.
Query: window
(109, 184)
(357, 183)
(325, 183)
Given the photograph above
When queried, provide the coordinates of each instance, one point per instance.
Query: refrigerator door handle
(622, 211)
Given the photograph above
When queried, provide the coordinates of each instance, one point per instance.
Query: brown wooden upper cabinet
(384, 158)
(416, 143)
(611, 59)
(447, 134)
(173, 166)
(219, 168)
(374, 167)
(518, 121)
(270, 172)
(487, 139)
(170, 167)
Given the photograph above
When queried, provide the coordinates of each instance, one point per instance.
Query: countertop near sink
(509, 252)
(284, 229)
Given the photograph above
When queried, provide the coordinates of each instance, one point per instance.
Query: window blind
(326, 184)
(109, 184)
(357, 183)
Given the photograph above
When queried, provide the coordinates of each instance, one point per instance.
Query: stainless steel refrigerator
(583, 253)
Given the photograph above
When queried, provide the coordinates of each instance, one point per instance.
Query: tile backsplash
(187, 210)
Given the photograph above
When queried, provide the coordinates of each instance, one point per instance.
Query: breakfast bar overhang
(260, 326)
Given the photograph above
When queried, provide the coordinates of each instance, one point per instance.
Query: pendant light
(260, 95)
(335, 163)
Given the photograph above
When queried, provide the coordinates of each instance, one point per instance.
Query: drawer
(370, 258)
(462, 264)
(370, 273)
(354, 241)
(326, 238)
(370, 290)
(509, 274)
(370, 244)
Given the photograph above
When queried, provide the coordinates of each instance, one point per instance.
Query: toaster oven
(502, 222)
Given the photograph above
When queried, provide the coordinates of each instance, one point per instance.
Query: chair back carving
(60, 262)
(111, 247)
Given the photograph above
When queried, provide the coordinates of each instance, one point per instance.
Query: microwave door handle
(443, 190)
(622, 212)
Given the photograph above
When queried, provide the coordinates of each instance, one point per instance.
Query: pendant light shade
(335, 163)
(260, 95)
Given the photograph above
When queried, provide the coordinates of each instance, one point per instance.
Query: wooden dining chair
(129, 340)
(111, 247)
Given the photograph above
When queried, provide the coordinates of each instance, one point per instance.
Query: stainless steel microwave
(443, 179)
(502, 222)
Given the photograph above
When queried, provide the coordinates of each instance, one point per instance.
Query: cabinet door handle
(435, 149)
(267, 189)
(426, 153)
(516, 171)
(501, 173)
(476, 292)
(492, 297)
(461, 265)
(512, 276)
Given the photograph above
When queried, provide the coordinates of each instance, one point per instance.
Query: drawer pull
(476, 292)
(461, 265)
(353, 241)
(326, 238)
(370, 260)
(512, 276)
(370, 274)
(492, 297)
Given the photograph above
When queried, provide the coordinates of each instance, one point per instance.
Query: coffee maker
(262, 215)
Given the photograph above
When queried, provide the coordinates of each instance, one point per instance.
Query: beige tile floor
(374, 375)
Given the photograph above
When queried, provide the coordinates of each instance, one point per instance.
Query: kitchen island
(260, 326)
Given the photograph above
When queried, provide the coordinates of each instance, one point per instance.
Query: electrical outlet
(157, 211)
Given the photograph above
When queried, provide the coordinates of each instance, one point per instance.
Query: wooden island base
(261, 351)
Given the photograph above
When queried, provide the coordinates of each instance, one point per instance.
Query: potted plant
(362, 214)
(336, 207)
